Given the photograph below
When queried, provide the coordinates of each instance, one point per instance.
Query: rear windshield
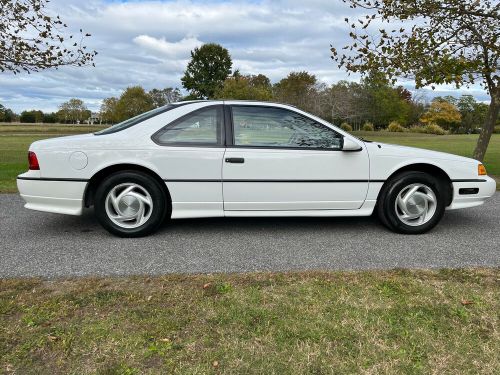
(135, 120)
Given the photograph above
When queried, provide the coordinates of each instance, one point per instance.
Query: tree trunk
(488, 127)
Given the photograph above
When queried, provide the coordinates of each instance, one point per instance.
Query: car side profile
(242, 158)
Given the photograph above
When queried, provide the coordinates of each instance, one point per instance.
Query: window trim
(230, 137)
(220, 129)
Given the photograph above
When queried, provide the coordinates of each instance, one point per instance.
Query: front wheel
(411, 203)
(130, 204)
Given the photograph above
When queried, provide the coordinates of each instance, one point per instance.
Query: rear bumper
(486, 187)
(61, 197)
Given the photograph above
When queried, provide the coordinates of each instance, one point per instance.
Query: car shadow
(454, 221)
(88, 223)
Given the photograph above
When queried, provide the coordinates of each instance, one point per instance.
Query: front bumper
(486, 187)
(61, 197)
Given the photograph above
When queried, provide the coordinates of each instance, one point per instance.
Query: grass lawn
(418, 322)
(15, 140)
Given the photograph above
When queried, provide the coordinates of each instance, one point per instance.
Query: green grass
(398, 322)
(55, 129)
(15, 140)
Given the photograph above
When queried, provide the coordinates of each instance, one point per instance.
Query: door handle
(235, 160)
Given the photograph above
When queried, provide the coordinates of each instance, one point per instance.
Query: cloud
(148, 43)
(168, 49)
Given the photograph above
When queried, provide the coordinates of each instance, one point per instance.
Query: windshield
(135, 120)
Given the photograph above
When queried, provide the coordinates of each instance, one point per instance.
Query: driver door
(281, 160)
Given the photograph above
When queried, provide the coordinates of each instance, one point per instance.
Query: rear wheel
(412, 202)
(130, 204)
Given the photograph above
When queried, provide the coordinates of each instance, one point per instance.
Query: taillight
(33, 161)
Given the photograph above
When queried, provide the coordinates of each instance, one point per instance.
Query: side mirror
(350, 145)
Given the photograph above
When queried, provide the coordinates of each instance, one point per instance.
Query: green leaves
(210, 65)
(73, 111)
(249, 87)
(133, 102)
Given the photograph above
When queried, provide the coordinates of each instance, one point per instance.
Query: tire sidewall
(399, 184)
(148, 183)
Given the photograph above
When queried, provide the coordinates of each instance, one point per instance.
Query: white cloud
(179, 49)
(148, 43)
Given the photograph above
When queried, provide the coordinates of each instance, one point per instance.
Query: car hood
(390, 150)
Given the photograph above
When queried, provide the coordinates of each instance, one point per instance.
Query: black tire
(146, 185)
(386, 205)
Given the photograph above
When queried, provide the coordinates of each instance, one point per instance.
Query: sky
(148, 43)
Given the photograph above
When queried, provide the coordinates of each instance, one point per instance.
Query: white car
(242, 158)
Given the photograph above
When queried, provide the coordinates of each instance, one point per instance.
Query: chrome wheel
(416, 204)
(128, 205)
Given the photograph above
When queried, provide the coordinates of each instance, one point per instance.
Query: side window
(201, 127)
(276, 127)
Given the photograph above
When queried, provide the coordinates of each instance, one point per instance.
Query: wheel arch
(99, 176)
(431, 169)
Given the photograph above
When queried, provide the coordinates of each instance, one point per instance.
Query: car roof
(231, 100)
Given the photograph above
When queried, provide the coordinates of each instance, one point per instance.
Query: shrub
(417, 129)
(346, 127)
(394, 126)
(496, 130)
(434, 129)
(368, 127)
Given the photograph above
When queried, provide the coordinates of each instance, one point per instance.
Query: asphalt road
(48, 245)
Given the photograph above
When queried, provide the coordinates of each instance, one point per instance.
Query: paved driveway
(39, 244)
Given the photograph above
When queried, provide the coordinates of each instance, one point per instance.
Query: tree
(404, 93)
(443, 114)
(133, 102)
(346, 102)
(298, 89)
(49, 118)
(260, 80)
(32, 40)
(385, 103)
(108, 112)
(416, 110)
(447, 42)
(210, 65)
(6, 114)
(73, 111)
(161, 97)
(31, 117)
(248, 87)
(473, 113)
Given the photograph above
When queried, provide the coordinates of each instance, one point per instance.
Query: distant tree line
(374, 100)
(74, 111)
(133, 101)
